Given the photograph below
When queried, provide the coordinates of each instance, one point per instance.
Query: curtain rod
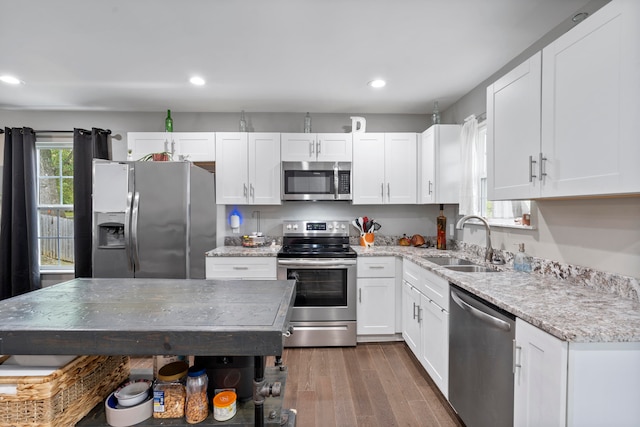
(107, 131)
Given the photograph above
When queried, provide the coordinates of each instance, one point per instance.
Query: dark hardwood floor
(370, 385)
(373, 385)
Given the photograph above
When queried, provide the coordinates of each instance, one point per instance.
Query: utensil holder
(366, 239)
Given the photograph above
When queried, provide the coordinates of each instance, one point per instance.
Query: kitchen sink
(471, 268)
(441, 260)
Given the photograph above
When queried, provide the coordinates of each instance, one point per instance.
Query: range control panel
(316, 228)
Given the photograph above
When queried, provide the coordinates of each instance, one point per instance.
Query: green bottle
(168, 122)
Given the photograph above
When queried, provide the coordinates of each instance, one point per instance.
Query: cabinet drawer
(241, 268)
(435, 288)
(377, 267)
(411, 273)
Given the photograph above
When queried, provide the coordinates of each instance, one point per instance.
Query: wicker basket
(65, 396)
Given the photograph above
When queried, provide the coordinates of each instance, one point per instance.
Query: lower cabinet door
(434, 354)
(540, 378)
(376, 306)
(410, 313)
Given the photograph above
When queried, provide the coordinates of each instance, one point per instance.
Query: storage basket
(65, 396)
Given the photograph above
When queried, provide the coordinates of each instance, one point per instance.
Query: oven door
(325, 288)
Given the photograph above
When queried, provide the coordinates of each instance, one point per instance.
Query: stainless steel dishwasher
(480, 360)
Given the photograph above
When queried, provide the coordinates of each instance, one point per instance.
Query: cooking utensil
(365, 223)
(356, 225)
(376, 226)
(361, 222)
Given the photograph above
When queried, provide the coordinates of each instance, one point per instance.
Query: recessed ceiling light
(198, 81)
(378, 83)
(10, 80)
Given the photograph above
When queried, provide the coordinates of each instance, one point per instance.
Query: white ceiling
(261, 55)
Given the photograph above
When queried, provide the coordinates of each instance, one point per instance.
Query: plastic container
(197, 406)
(224, 406)
(169, 391)
(522, 261)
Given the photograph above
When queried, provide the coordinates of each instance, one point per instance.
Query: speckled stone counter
(567, 310)
(242, 251)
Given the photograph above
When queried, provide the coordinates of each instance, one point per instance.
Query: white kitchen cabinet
(434, 354)
(384, 168)
(192, 146)
(236, 268)
(248, 168)
(410, 321)
(439, 165)
(591, 104)
(574, 384)
(513, 133)
(321, 147)
(425, 325)
(562, 124)
(376, 311)
(540, 378)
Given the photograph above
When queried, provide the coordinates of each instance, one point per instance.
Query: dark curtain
(19, 263)
(86, 147)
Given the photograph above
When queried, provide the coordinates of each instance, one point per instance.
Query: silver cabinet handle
(419, 311)
(382, 190)
(542, 172)
(235, 267)
(360, 295)
(517, 363)
(311, 148)
(318, 145)
(252, 193)
(487, 318)
(376, 267)
(244, 192)
(430, 185)
(531, 163)
(389, 191)
(414, 310)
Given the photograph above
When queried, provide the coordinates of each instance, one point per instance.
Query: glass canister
(169, 391)
(197, 407)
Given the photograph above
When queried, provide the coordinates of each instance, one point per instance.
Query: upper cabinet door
(298, 147)
(368, 168)
(139, 144)
(400, 171)
(264, 168)
(334, 147)
(232, 168)
(195, 146)
(591, 105)
(439, 165)
(513, 133)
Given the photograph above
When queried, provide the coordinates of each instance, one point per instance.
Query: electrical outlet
(451, 230)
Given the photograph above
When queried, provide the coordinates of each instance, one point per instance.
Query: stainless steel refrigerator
(152, 219)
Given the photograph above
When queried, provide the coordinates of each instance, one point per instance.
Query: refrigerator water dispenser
(111, 235)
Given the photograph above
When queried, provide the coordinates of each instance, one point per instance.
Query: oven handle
(317, 262)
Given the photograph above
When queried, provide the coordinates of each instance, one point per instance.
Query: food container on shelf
(254, 240)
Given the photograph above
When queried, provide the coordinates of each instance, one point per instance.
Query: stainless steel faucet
(489, 253)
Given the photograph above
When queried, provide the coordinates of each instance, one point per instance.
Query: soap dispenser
(522, 261)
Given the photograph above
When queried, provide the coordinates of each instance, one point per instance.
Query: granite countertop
(572, 312)
(569, 311)
(268, 251)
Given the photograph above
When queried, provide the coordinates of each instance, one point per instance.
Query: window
(55, 202)
(500, 213)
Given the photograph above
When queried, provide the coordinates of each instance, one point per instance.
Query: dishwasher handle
(487, 318)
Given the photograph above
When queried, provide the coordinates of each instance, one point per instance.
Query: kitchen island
(151, 316)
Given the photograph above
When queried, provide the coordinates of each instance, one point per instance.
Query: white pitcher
(358, 124)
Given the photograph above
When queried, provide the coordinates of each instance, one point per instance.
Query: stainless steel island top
(148, 316)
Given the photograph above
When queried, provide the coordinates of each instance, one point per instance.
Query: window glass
(55, 203)
(506, 213)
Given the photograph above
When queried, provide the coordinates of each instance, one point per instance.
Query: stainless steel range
(318, 256)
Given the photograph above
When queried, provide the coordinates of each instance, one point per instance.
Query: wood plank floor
(370, 385)
(373, 385)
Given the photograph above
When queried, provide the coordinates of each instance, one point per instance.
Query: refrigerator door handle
(127, 230)
(134, 230)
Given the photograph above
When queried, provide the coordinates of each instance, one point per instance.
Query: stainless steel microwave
(316, 181)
